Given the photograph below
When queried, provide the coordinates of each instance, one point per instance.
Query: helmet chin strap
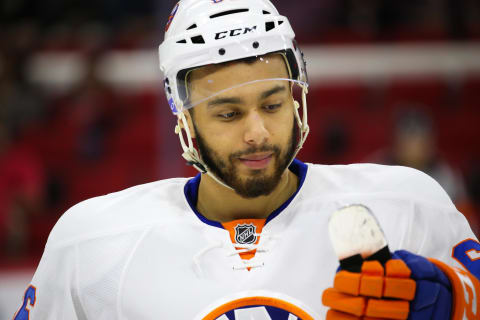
(193, 158)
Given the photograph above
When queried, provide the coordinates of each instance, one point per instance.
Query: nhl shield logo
(245, 233)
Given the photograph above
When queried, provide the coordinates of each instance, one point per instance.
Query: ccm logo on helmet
(234, 32)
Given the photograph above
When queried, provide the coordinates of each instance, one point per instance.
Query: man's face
(246, 135)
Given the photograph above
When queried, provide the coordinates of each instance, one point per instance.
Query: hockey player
(248, 237)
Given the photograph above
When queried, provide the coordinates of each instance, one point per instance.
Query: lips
(257, 161)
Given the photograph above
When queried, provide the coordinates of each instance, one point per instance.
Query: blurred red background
(82, 112)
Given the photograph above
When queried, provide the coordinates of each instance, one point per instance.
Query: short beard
(259, 184)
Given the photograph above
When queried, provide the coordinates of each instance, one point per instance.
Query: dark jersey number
(28, 301)
(467, 253)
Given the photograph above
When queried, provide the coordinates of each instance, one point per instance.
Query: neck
(218, 203)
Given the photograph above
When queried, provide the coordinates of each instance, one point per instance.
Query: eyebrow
(226, 100)
(272, 91)
(236, 100)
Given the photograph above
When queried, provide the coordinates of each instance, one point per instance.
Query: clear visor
(265, 81)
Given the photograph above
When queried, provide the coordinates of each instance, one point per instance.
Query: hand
(409, 286)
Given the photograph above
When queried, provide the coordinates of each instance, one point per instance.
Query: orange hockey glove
(362, 295)
(412, 288)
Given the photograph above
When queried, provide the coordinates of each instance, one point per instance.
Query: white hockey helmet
(205, 32)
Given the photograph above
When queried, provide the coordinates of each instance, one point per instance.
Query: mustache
(265, 148)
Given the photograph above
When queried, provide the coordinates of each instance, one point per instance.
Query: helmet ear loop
(189, 152)
(301, 121)
(305, 127)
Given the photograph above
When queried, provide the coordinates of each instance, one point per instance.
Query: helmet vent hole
(197, 39)
(255, 45)
(269, 26)
(193, 26)
(221, 52)
(182, 41)
(265, 12)
(280, 22)
(226, 13)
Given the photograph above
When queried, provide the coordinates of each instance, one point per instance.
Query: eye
(272, 107)
(227, 115)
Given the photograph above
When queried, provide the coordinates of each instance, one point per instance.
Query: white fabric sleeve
(435, 231)
(55, 289)
(54, 284)
(435, 224)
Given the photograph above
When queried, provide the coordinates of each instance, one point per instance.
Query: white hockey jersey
(146, 254)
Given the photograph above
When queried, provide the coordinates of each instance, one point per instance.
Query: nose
(256, 132)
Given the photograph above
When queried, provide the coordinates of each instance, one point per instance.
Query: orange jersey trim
(258, 301)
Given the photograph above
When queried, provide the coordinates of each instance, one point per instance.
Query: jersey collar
(191, 193)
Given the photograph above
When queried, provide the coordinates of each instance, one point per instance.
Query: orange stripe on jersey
(244, 231)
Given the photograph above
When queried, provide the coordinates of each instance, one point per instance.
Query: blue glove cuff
(433, 296)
